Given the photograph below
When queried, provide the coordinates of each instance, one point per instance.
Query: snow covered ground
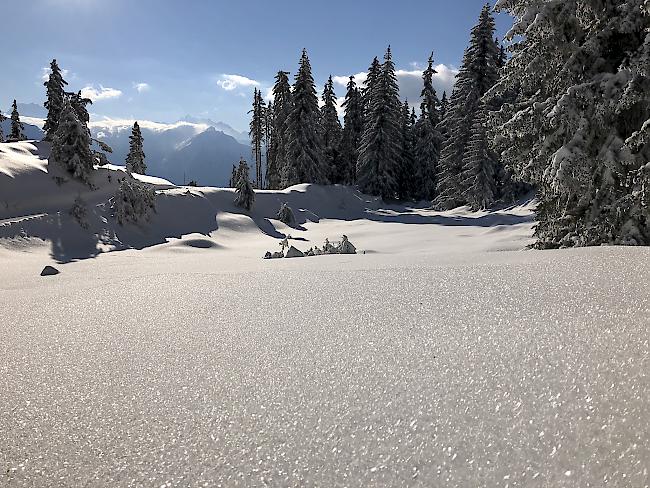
(446, 355)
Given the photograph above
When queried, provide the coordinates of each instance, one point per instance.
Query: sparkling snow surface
(445, 356)
(153, 368)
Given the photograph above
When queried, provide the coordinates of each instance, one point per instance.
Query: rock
(277, 255)
(294, 253)
(49, 271)
(268, 255)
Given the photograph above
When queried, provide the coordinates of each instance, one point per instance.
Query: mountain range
(191, 149)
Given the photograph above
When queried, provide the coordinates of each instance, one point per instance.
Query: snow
(444, 353)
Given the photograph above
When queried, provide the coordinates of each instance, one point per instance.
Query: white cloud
(410, 81)
(232, 82)
(103, 93)
(142, 87)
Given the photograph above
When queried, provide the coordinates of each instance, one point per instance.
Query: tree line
(566, 113)
(440, 154)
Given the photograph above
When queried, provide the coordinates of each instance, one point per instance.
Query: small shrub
(79, 211)
(133, 202)
(285, 215)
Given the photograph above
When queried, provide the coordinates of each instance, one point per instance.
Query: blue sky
(162, 59)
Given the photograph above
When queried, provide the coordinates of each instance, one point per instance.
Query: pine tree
(428, 138)
(16, 133)
(71, 144)
(55, 99)
(135, 159)
(502, 58)
(268, 137)
(2, 119)
(256, 133)
(476, 76)
(406, 182)
(244, 189)
(479, 166)
(430, 102)
(427, 141)
(442, 127)
(305, 152)
(374, 72)
(444, 105)
(579, 126)
(331, 134)
(352, 132)
(282, 105)
(233, 177)
(381, 144)
(79, 104)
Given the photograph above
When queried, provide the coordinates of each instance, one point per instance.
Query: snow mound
(36, 200)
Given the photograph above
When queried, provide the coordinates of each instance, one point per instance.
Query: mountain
(31, 110)
(220, 126)
(207, 158)
(31, 130)
(179, 152)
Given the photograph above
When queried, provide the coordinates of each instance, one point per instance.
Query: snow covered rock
(49, 271)
(294, 253)
(275, 255)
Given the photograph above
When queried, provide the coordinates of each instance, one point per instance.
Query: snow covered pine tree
(133, 201)
(2, 119)
(281, 110)
(331, 134)
(71, 144)
(579, 128)
(256, 133)
(478, 73)
(407, 184)
(305, 155)
(135, 159)
(244, 189)
(379, 153)
(428, 139)
(16, 132)
(55, 100)
(478, 177)
(352, 132)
